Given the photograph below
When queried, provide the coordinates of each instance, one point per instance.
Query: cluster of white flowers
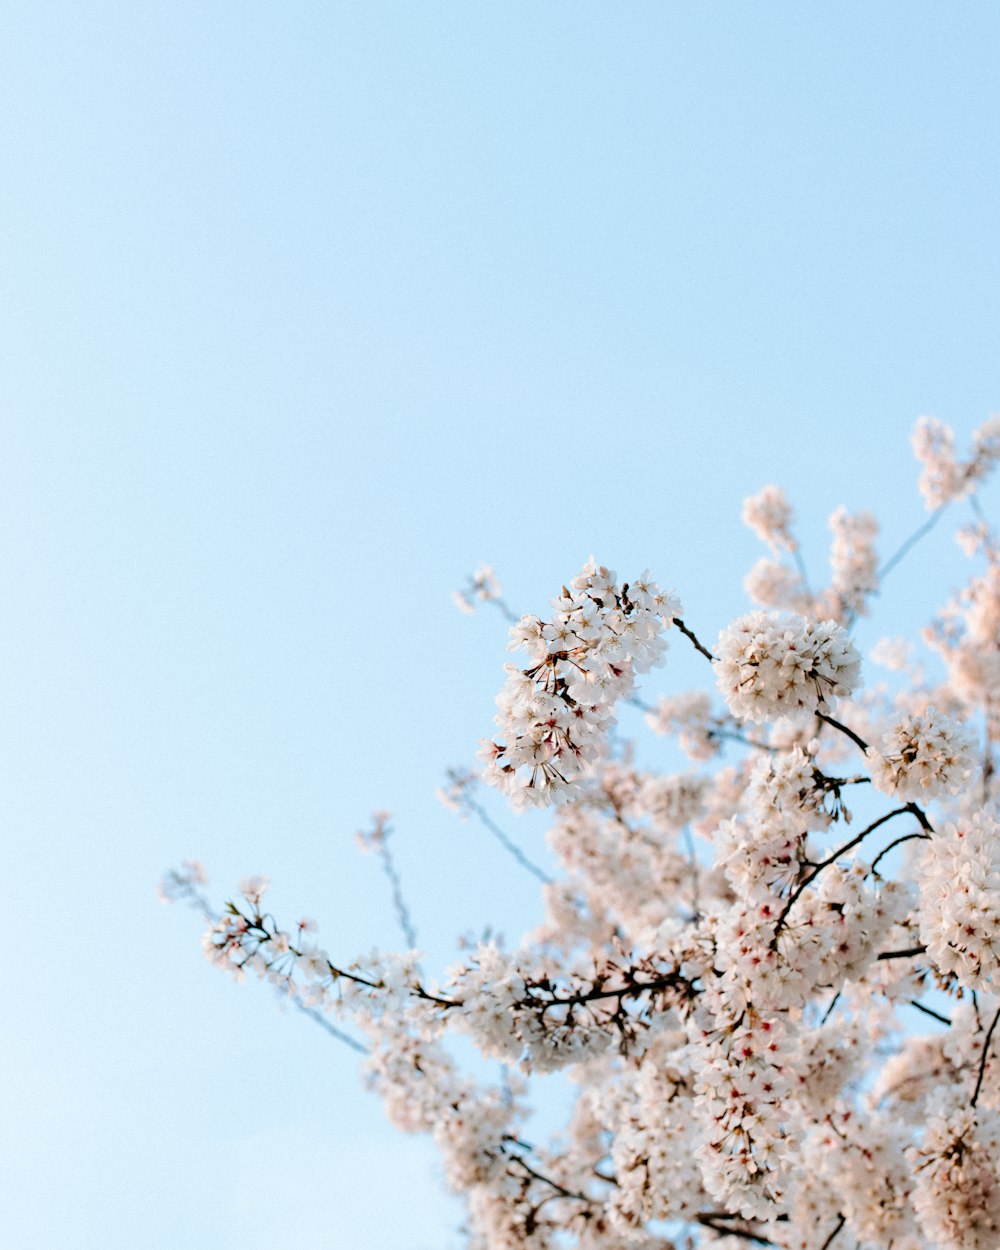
(861, 1159)
(743, 1085)
(919, 757)
(967, 637)
(770, 665)
(957, 1196)
(775, 993)
(774, 585)
(960, 900)
(655, 1136)
(787, 787)
(555, 715)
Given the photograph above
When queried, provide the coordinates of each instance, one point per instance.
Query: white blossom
(960, 900)
(770, 665)
(921, 756)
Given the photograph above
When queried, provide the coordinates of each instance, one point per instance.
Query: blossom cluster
(768, 959)
(555, 715)
(770, 665)
(960, 900)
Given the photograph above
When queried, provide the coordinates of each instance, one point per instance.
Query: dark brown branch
(907, 837)
(829, 1011)
(858, 741)
(698, 646)
(714, 1221)
(907, 954)
(982, 1062)
(635, 989)
(929, 1011)
(841, 1221)
(922, 820)
(561, 1190)
(825, 863)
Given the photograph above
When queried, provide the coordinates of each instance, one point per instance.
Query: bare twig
(858, 741)
(914, 538)
(907, 837)
(929, 1011)
(982, 1062)
(509, 846)
(715, 1220)
(698, 646)
(911, 952)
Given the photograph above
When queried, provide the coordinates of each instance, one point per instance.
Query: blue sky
(308, 308)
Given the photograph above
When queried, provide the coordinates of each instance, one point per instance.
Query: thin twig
(912, 951)
(503, 608)
(693, 638)
(398, 901)
(858, 741)
(982, 1062)
(914, 538)
(929, 1011)
(800, 564)
(842, 1220)
(907, 837)
(318, 1018)
(825, 863)
(511, 847)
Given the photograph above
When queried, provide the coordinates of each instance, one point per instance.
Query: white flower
(253, 888)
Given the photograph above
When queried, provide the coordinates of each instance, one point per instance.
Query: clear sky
(307, 308)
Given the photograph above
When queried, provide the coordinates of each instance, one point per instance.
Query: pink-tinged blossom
(960, 900)
(769, 515)
(853, 560)
(770, 665)
(774, 585)
(689, 718)
(919, 757)
(957, 1193)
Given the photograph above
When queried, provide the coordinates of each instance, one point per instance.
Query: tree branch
(858, 741)
(698, 646)
(912, 951)
(830, 859)
(982, 1062)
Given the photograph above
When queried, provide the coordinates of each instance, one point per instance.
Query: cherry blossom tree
(779, 1016)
